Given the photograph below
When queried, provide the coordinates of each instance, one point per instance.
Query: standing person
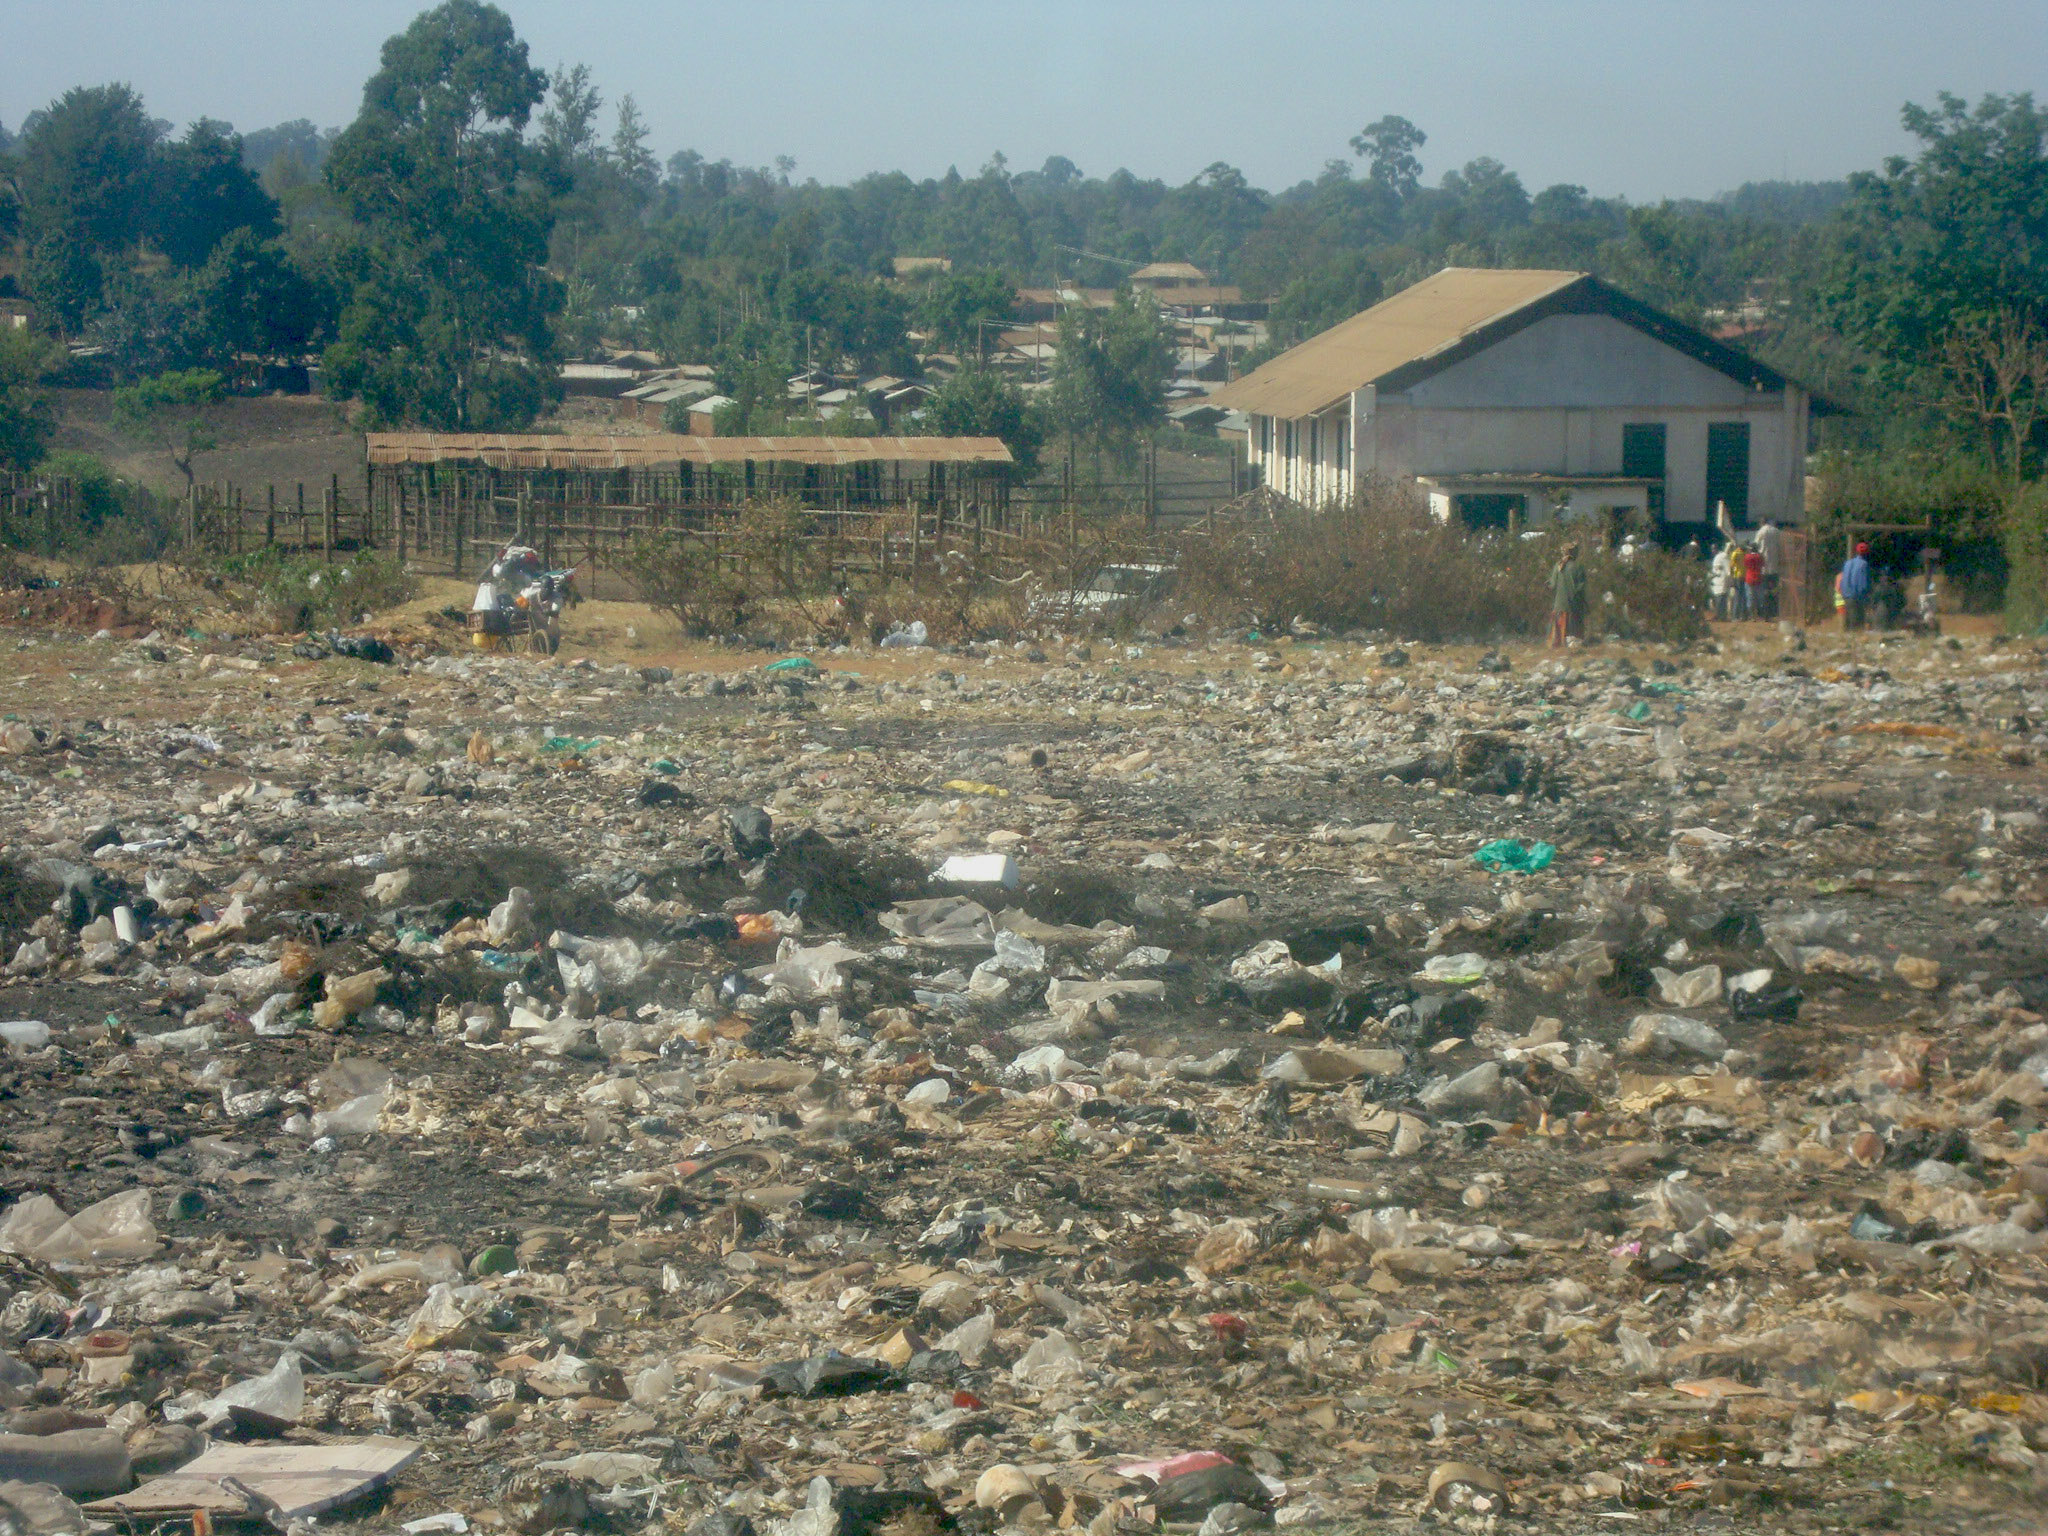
(1737, 592)
(1567, 599)
(1771, 545)
(1753, 582)
(1854, 586)
(1930, 602)
(1717, 585)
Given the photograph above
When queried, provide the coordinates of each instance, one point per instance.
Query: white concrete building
(1518, 394)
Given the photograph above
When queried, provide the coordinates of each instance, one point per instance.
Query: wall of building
(1314, 462)
(1553, 399)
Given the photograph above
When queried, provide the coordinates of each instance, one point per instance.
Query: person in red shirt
(1753, 583)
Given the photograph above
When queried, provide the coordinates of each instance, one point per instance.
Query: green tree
(978, 402)
(1388, 148)
(1108, 383)
(204, 193)
(1334, 291)
(961, 310)
(174, 412)
(448, 322)
(27, 420)
(153, 322)
(632, 161)
(1960, 230)
(758, 393)
(568, 124)
(258, 301)
(85, 174)
(1992, 381)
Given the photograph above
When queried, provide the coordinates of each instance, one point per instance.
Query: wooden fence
(875, 524)
(54, 515)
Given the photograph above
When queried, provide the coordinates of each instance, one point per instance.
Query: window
(1342, 429)
(1728, 469)
(1265, 437)
(1315, 443)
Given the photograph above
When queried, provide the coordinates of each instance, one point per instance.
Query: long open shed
(458, 495)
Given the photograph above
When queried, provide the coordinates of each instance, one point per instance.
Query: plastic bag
(1455, 969)
(1016, 955)
(653, 1386)
(279, 1393)
(1694, 989)
(352, 1117)
(1046, 1063)
(807, 973)
(941, 922)
(117, 1228)
(1049, 1360)
(597, 966)
(1671, 1034)
(1508, 856)
(971, 1339)
(445, 1313)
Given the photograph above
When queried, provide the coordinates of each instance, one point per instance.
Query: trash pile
(1214, 1085)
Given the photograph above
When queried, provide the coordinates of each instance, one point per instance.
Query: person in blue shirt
(1854, 585)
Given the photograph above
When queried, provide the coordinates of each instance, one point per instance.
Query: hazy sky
(1646, 98)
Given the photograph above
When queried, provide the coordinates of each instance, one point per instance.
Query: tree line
(483, 218)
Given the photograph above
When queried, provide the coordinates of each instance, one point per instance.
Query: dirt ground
(1257, 1116)
(267, 440)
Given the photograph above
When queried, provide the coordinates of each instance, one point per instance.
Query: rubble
(1202, 1082)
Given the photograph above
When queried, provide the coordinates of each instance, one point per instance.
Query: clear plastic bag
(279, 1393)
(117, 1228)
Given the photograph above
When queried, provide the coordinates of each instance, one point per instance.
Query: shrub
(2026, 547)
(1962, 503)
(715, 580)
(1386, 564)
(96, 519)
(290, 591)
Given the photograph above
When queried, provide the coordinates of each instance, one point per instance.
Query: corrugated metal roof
(594, 451)
(1436, 313)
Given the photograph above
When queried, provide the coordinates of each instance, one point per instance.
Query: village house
(1517, 397)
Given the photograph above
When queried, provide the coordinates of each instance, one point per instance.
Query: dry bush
(719, 579)
(1385, 564)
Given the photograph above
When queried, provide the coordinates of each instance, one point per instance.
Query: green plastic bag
(1507, 856)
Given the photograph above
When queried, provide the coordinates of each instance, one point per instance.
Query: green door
(1728, 469)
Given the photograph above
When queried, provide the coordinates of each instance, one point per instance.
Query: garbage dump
(1212, 1082)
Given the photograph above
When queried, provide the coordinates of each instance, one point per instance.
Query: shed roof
(607, 451)
(1447, 317)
